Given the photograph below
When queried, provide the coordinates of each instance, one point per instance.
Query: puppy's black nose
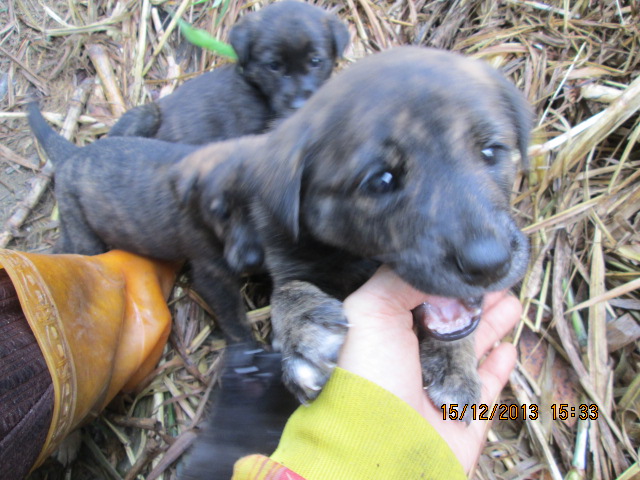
(483, 261)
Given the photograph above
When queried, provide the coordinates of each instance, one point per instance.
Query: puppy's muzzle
(483, 261)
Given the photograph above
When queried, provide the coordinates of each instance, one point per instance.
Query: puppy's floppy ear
(340, 35)
(241, 37)
(182, 183)
(521, 115)
(278, 181)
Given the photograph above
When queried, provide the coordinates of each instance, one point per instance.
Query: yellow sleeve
(356, 430)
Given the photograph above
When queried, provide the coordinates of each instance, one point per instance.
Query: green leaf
(201, 38)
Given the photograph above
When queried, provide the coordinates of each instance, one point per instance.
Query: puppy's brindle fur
(123, 193)
(247, 415)
(414, 170)
(285, 52)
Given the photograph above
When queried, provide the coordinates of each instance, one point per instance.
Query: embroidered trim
(43, 317)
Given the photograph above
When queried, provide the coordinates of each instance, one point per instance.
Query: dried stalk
(597, 341)
(13, 157)
(140, 51)
(103, 66)
(615, 115)
(41, 182)
(175, 451)
(32, 77)
(534, 427)
(118, 15)
(172, 25)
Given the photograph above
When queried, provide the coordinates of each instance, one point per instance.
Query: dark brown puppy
(285, 52)
(119, 193)
(247, 416)
(413, 170)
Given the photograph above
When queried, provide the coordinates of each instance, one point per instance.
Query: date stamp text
(499, 411)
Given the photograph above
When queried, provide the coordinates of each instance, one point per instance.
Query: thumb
(381, 345)
(385, 295)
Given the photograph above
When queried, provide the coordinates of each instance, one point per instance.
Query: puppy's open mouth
(448, 319)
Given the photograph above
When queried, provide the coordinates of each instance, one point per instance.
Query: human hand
(382, 347)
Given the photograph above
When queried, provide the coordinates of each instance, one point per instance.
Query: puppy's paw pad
(304, 379)
(309, 329)
(312, 358)
(450, 373)
(68, 450)
(456, 392)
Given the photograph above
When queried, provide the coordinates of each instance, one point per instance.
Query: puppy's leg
(76, 237)
(309, 328)
(248, 413)
(450, 372)
(219, 287)
(140, 121)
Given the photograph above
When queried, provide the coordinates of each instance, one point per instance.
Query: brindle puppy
(120, 193)
(285, 52)
(247, 414)
(405, 158)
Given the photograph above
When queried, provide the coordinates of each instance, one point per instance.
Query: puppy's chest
(334, 271)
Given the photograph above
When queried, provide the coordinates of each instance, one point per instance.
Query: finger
(490, 299)
(495, 370)
(465, 441)
(385, 295)
(494, 373)
(498, 318)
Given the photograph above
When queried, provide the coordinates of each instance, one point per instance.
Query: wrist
(358, 430)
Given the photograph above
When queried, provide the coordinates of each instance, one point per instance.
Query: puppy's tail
(56, 146)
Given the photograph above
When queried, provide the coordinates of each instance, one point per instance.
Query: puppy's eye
(491, 153)
(315, 62)
(274, 66)
(220, 209)
(380, 182)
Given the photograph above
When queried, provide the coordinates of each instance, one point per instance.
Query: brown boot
(74, 331)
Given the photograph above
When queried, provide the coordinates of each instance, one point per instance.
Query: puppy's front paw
(450, 374)
(308, 363)
(68, 449)
(309, 328)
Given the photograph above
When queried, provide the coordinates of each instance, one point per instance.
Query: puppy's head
(413, 169)
(287, 50)
(205, 184)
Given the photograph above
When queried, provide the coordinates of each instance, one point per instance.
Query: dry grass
(577, 62)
